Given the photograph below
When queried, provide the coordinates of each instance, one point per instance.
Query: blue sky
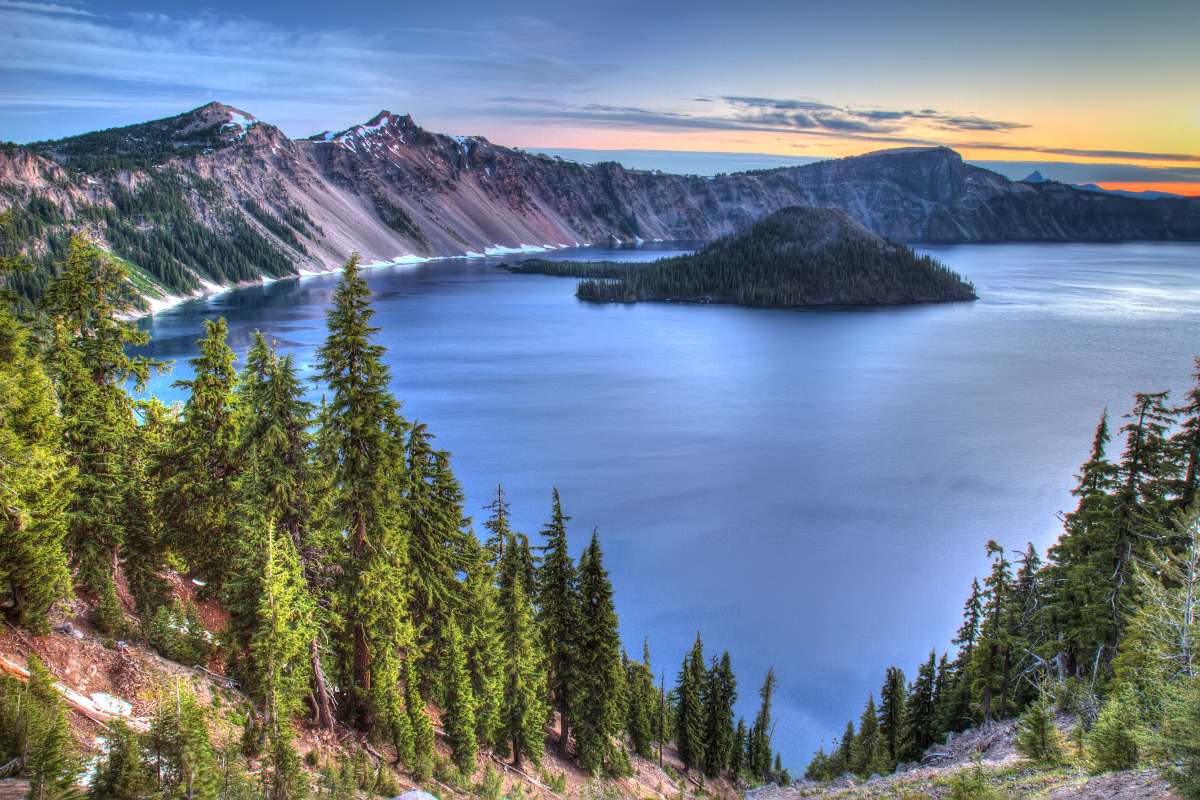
(1092, 83)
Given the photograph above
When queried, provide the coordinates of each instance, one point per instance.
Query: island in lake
(794, 258)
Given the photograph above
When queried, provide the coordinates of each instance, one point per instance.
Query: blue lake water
(811, 489)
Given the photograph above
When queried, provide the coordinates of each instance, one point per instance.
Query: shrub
(1038, 738)
(1181, 736)
(972, 784)
(1112, 743)
(110, 614)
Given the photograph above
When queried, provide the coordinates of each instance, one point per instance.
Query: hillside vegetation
(319, 561)
(793, 258)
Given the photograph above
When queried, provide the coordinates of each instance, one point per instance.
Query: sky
(1096, 83)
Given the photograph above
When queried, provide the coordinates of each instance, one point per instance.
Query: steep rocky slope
(155, 193)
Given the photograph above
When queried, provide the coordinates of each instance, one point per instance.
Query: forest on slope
(793, 258)
(1103, 631)
(335, 542)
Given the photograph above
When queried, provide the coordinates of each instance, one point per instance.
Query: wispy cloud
(813, 114)
(45, 8)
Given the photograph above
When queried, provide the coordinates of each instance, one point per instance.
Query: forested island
(794, 258)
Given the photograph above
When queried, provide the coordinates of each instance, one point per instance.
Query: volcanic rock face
(388, 188)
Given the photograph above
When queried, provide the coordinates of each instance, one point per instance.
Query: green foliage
(1112, 743)
(459, 714)
(35, 483)
(559, 616)
(110, 613)
(134, 146)
(920, 714)
(795, 257)
(483, 645)
(599, 681)
(972, 784)
(176, 632)
(1181, 735)
(1037, 736)
(34, 728)
(893, 701)
(123, 772)
(421, 764)
(492, 785)
(759, 751)
(178, 737)
(523, 708)
(719, 696)
(689, 707)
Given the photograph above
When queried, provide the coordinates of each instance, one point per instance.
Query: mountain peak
(1035, 177)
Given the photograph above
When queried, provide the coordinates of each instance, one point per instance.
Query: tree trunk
(322, 697)
(564, 729)
(516, 753)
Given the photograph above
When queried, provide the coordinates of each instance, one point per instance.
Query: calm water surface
(813, 490)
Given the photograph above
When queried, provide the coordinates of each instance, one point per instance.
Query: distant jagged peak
(1035, 177)
(231, 121)
(384, 125)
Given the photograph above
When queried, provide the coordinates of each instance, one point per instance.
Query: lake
(810, 489)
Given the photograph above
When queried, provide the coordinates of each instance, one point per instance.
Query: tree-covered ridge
(359, 599)
(144, 145)
(1104, 629)
(793, 258)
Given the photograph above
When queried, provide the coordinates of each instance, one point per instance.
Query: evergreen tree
(719, 698)
(146, 538)
(1112, 743)
(1181, 735)
(362, 449)
(867, 743)
(422, 727)
(51, 764)
(439, 546)
(123, 774)
(559, 616)
(484, 646)
(641, 703)
(892, 704)
(1186, 442)
(88, 306)
(198, 470)
(459, 715)
(1037, 737)
(993, 655)
(35, 484)
(959, 698)
(689, 709)
(760, 734)
(523, 710)
(920, 719)
(181, 749)
(737, 755)
(599, 681)
(843, 757)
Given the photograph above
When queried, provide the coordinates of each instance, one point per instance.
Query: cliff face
(388, 189)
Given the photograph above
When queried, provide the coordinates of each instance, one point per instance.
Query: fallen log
(77, 702)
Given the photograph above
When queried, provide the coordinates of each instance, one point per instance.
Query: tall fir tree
(198, 470)
(599, 680)
(122, 773)
(36, 484)
(559, 616)
(893, 700)
(483, 645)
(459, 714)
(760, 733)
(993, 654)
(361, 441)
(867, 742)
(689, 707)
(719, 698)
(523, 710)
(50, 759)
(88, 306)
(920, 716)
(641, 703)
(1186, 442)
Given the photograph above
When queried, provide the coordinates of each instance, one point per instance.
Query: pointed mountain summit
(1035, 177)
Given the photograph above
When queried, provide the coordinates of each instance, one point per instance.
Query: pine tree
(920, 720)
(760, 733)
(198, 470)
(737, 755)
(459, 715)
(88, 306)
(123, 774)
(993, 656)
(867, 743)
(483, 645)
(843, 757)
(641, 703)
(180, 747)
(362, 450)
(598, 700)
(1112, 743)
(438, 550)
(1186, 442)
(892, 703)
(523, 710)
(36, 481)
(559, 616)
(1037, 737)
(146, 538)
(110, 613)
(51, 763)
(718, 727)
(422, 727)
(689, 710)
(959, 699)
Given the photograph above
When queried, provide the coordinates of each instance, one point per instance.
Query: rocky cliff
(173, 195)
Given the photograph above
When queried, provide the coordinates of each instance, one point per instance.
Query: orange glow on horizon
(1189, 189)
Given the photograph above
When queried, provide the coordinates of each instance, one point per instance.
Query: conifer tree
(843, 757)
(438, 551)
(88, 307)
(993, 654)
(483, 645)
(123, 774)
(362, 448)
(641, 703)
(1112, 743)
(719, 698)
(959, 699)
(737, 755)
(760, 734)
(559, 616)
(892, 711)
(183, 752)
(920, 720)
(422, 727)
(1037, 737)
(199, 468)
(51, 764)
(689, 710)
(599, 680)
(459, 715)
(35, 484)
(867, 743)
(523, 710)
(146, 538)
(1186, 442)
